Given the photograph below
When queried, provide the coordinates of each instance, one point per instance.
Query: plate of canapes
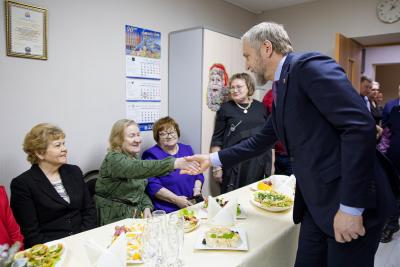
(190, 219)
(222, 238)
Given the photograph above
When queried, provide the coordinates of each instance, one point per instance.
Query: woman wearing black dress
(238, 119)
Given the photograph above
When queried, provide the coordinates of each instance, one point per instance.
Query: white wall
(81, 87)
(380, 55)
(312, 26)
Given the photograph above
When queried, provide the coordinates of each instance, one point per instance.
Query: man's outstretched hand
(202, 159)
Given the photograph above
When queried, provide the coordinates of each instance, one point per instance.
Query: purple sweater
(179, 184)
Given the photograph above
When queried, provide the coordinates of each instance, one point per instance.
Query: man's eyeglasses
(165, 134)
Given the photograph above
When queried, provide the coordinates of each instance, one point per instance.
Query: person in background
(390, 146)
(120, 189)
(9, 229)
(343, 196)
(174, 190)
(365, 90)
(282, 162)
(239, 119)
(366, 93)
(50, 200)
(379, 100)
(376, 110)
(388, 108)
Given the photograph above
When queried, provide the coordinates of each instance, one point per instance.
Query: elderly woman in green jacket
(120, 189)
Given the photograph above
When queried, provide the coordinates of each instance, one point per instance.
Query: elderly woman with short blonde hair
(120, 190)
(50, 200)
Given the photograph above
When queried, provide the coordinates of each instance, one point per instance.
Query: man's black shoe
(387, 234)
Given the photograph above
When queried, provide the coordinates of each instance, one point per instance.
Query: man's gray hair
(375, 83)
(269, 31)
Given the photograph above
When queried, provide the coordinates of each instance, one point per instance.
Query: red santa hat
(222, 68)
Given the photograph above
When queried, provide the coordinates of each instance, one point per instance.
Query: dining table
(271, 237)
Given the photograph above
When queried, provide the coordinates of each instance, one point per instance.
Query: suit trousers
(317, 249)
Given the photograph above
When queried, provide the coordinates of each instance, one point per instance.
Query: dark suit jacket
(41, 212)
(330, 137)
(387, 109)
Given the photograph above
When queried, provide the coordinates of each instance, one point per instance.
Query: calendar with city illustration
(143, 76)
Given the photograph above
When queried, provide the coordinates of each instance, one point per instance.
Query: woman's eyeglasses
(165, 134)
(236, 89)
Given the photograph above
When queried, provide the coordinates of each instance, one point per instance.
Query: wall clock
(388, 11)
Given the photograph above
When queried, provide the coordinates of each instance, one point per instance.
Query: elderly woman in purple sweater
(173, 191)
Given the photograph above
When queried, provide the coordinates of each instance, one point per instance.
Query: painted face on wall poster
(217, 91)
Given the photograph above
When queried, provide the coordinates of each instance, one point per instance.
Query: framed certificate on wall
(26, 30)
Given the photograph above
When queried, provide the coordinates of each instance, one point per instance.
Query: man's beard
(260, 71)
(260, 79)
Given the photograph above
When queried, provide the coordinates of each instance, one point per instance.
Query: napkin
(93, 251)
(284, 184)
(114, 256)
(221, 216)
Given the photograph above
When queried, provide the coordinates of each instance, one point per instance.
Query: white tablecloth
(272, 239)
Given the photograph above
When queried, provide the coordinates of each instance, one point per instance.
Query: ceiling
(259, 6)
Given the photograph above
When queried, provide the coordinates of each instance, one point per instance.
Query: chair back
(90, 179)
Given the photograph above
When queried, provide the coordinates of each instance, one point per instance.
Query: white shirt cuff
(214, 158)
(351, 210)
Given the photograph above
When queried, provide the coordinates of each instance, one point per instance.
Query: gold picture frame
(26, 30)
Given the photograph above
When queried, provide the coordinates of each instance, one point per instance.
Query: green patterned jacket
(120, 189)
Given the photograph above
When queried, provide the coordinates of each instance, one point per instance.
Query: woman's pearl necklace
(244, 108)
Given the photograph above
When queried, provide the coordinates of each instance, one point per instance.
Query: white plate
(187, 230)
(243, 246)
(254, 185)
(134, 261)
(140, 247)
(64, 251)
(272, 177)
(274, 209)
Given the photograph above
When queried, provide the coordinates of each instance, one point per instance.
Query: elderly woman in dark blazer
(50, 200)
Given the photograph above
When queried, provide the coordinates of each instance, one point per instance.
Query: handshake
(193, 165)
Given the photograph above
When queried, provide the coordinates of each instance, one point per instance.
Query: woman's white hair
(269, 31)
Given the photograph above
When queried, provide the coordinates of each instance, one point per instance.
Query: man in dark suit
(330, 138)
(365, 90)
(388, 108)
